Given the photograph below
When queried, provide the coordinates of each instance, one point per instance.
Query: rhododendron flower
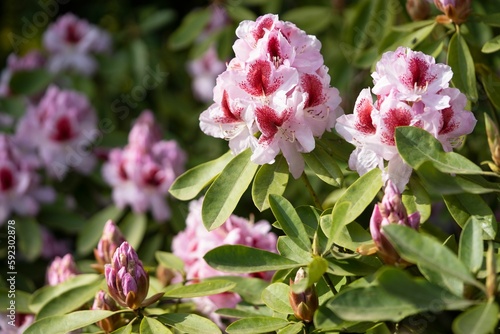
(274, 96)
(52, 246)
(195, 241)
(143, 171)
(412, 90)
(61, 128)
(72, 42)
(110, 240)
(21, 322)
(61, 269)
(30, 61)
(20, 189)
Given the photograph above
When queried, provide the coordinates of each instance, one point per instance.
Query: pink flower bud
(306, 303)
(61, 269)
(111, 239)
(128, 282)
(455, 11)
(103, 301)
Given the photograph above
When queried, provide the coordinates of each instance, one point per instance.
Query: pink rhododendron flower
(412, 90)
(21, 322)
(143, 171)
(30, 61)
(20, 189)
(61, 269)
(53, 246)
(195, 241)
(72, 42)
(274, 96)
(61, 128)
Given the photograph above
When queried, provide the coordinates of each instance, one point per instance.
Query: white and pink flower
(411, 90)
(274, 96)
(72, 43)
(142, 172)
(61, 128)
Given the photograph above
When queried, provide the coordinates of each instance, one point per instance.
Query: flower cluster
(274, 95)
(71, 42)
(20, 189)
(195, 241)
(412, 90)
(110, 240)
(60, 128)
(61, 269)
(143, 171)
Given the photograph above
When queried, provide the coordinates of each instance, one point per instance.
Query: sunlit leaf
(270, 179)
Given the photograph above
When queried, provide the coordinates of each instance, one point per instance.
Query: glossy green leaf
(470, 247)
(243, 259)
(312, 19)
(189, 184)
(190, 28)
(416, 198)
(62, 324)
(414, 38)
(275, 296)
(452, 284)
(224, 193)
(30, 82)
(28, 237)
(480, 319)
(464, 206)
(240, 13)
(133, 228)
(493, 45)
(89, 237)
(462, 64)
(353, 202)
(169, 260)
(289, 221)
(125, 329)
(152, 326)
(417, 146)
(491, 84)
(205, 288)
(270, 179)
(293, 328)
(22, 298)
(325, 319)
(156, 20)
(324, 166)
(255, 325)
(249, 288)
(492, 19)
(289, 249)
(189, 323)
(139, 53)
(424, 250)
(350, 267)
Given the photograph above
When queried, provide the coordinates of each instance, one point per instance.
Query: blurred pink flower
(61, 269)
(53, 246)
(143, 171)
(21, 322)
(61, 128)
(204, 71)
(412, 90)
(195, 241)
(30, 61)
(72, 42)
(274, 96)
(20, 189)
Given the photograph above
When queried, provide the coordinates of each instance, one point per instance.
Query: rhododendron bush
(251, 167)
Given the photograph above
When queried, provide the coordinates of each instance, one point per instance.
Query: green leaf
(493, 45)
(480, 319)
(156, 20)
(312, 19)
(240, 13)
(425, 250)
(69, 300)
(470, 247)
(289, 249)
(205, 288)
(90, 235)
(152, 326)
(275, 296)
(324, 166)
(462, 64)
(225, 192)
(189, 323)
(270, 179)
(464, 206)
(188, 185)
(133, 228)
(22, 299)
(43, 295)
(414, 38)
(293, 328)
(289, 221)
(328, 321)
(30, 82)
(255, 325)
(452, 284)
(249, 288)
(190, 28)
(491, 84)
(417, 146)
(140, 57)
(491, 19)
(62, 324)
(353, 202)
(415, 198)
(169, 260)
(125, 329)
(243, 259)
(29, 237)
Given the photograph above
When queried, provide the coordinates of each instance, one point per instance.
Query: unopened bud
(110, 240)
(61, 269)
(455, 11)
(103, 301)
(306, 303)
(418, 9)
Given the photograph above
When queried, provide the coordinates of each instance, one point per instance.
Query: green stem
(316, 200)
(330, 283)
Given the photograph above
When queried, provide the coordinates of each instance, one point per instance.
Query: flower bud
(128, 282)
(110, 240)
(455, 11)
(61, 269)
(418, 9)
(306, 303)
(390, 211)
(103, 301)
